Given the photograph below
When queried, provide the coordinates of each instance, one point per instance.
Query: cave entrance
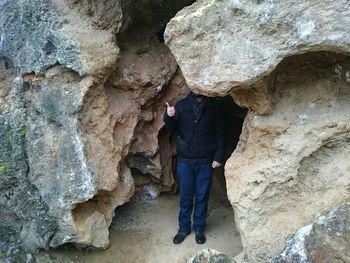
(146, 76)
(145, 226)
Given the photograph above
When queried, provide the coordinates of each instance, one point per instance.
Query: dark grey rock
(329, 240)
(326, 240)
(30, 36)
(210, 256)
(10, 247)
(52, 132)
(295, 250)
(25, 224)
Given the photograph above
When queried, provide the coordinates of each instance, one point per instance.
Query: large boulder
(293, 162)
(210, 256)
(224, 44)
(326, 240)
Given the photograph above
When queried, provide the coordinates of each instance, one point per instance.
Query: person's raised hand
(170, 110)
(215, 164)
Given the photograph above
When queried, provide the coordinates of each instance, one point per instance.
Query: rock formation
(326, 240)
(292, 160)
(57, 62)
(81, 102)
(224, 44)
(22, 209)
(82, 91)
(209, 255)
(295, 161)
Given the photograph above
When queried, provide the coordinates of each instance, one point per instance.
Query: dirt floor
(143, 229)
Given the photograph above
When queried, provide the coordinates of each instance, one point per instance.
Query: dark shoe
(180, 236)
(200, 238)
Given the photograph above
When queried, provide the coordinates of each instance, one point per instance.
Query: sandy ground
(143, 229)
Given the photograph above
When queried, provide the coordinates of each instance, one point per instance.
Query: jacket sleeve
(220, 140)
(171, 123)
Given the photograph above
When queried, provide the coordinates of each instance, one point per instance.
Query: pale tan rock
(93, 37)
(91, 109)
(116, 118)
(119, 123)
(93, 218)
(94, 231)
(152, 151)
(71, 124)
(224, 44)
(149, 73)
(7, 75)
(294, 163)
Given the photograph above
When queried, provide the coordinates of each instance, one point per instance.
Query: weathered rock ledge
(223, 47)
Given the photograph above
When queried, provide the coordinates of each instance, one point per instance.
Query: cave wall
(83, 90)
(23, 211)
(224, 44)
(295, 161)
(55, 62)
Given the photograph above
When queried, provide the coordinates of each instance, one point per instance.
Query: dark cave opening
(150, 203)
(145, 64)
(233, 118)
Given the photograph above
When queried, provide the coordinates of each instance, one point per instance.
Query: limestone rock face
(64, 176)
(224, 44)
(294, 162)
(49, 45)
(23, 212)
(326, 240)
(83, 115)
(38, 34)
(148, 75)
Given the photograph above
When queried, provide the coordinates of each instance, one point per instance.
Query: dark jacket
(199, 129)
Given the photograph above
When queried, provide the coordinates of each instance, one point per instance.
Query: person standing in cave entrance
(198, 124)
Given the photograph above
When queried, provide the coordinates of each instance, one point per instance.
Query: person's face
(199, 96)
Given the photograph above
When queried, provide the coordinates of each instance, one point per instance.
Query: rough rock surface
(57, 62)
(210, 256)
(88, 113)
(24, 215)
(294, 162)
(326, 240)
(38, 34)
(82, 90)
(224, 44)
(148, 72)
(148, 75)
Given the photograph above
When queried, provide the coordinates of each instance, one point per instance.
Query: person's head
(199, 97)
